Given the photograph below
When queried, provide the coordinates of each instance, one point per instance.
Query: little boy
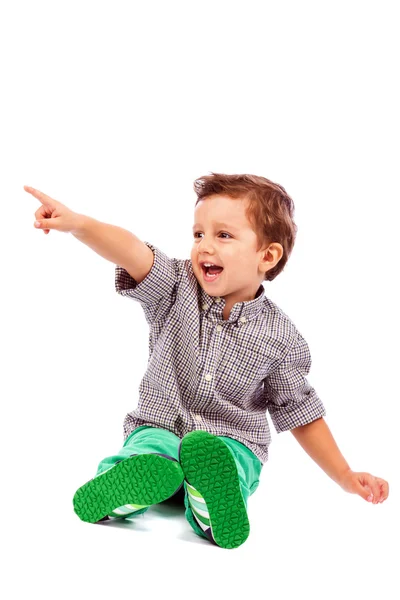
(221, 354)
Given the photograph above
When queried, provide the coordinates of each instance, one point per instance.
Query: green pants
(147, 440)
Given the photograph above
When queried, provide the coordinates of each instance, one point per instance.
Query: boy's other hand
(371, 488)
(52, 214)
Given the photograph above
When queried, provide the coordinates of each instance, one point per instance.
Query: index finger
(43, 198)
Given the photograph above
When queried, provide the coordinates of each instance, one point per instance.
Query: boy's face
(223, 235)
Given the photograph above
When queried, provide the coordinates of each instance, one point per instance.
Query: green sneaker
(213, 487)
(130, 485)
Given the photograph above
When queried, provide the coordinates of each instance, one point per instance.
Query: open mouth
(211, 273)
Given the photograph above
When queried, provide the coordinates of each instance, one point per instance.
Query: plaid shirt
(221, 376)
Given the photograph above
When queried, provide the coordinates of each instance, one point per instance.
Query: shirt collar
(213, 306)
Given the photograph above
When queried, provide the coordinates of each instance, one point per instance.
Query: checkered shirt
(221, 376)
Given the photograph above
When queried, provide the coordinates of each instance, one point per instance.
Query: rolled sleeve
(156, 291)
(291, 400)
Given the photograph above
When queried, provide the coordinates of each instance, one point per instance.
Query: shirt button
(197, 417)
(218, 299)
(204, 306)
(243, 319)
(219, 327)
(208, 377)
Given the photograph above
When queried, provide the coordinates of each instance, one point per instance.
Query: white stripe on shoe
(127, 509)
(200, 514)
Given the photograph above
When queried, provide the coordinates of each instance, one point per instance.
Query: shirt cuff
(157, 284)
(296, 414)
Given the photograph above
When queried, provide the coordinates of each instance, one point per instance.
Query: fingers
(376, 491)
(42, 211)
(372, 489)
(383, 489)
(46, 224)
(379, 489)
(367, 493)
(43, 198)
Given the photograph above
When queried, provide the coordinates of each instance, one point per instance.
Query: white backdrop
(114, 109)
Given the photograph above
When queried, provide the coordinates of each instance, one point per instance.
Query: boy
(220, 355)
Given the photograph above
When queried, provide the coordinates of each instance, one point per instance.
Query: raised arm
(113, 243)
(116, 245)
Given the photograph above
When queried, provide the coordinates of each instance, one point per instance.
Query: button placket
(208, 376)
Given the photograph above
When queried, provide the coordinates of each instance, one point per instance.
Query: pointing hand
(52, 214)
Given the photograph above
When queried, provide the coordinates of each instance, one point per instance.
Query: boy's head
(243, 223)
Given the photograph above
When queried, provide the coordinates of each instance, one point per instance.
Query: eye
(221, 233)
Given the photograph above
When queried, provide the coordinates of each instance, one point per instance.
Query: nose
(205, 250)
(204, 246)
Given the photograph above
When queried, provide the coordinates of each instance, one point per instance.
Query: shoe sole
(142, 479)
(209, 467)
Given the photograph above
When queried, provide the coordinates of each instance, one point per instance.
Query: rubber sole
(209, 467)
(143, 479)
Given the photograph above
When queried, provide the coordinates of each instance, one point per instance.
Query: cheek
(193, 258)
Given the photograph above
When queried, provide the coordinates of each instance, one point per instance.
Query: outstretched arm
(113, 243)
(317, 440)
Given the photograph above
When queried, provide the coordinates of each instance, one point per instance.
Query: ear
(270, 256)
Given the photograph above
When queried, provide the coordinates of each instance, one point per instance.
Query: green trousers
(147, 440)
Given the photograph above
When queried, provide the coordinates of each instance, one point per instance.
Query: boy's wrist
(82, 225)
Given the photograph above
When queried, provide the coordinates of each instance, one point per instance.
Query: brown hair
(270, 209)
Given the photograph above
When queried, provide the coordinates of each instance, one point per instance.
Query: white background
(115, 109)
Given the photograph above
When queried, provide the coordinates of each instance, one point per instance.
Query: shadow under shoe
(139, 480)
